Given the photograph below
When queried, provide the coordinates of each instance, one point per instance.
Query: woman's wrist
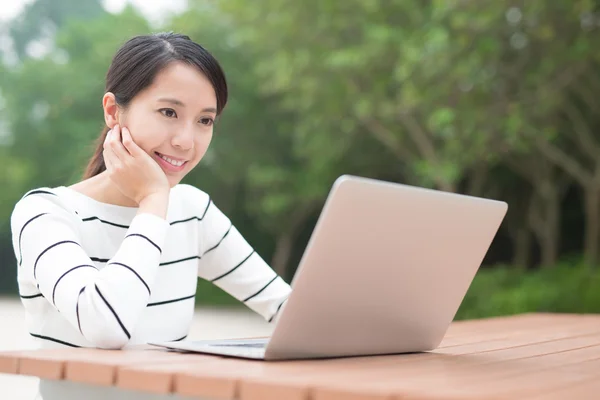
(155, 203)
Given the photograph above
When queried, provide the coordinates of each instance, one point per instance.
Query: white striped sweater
(92, 274)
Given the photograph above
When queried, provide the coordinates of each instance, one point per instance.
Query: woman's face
(172, 120)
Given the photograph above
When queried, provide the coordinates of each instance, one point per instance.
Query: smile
(171, 163)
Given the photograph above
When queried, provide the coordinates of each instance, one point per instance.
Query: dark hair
(136, 64)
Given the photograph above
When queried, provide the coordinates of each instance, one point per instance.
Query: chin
(174, 182)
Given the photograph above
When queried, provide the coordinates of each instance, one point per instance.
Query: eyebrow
(180, 103)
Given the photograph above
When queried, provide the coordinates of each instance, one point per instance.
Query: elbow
(110, 343)
(107, 339)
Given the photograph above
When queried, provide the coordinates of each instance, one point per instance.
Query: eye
(168, 112)
(207, 121)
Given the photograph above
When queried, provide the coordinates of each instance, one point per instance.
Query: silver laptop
(384, 272)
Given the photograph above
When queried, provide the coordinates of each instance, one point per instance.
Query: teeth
(171, 161)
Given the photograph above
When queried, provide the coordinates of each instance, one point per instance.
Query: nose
(183, 138)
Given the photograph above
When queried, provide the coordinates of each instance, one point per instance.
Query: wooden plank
(496, 351)
(216, 379)
(225, 377)
(95, 366)
(502, 328)
(587, 389)
(101, 367)
(519, 386)
(520, 340)
(425, 371)
(45, 364)
(221, 380)
(452, 379)
(159, 378)
(445, 372)
(52, 363)
(548, 330)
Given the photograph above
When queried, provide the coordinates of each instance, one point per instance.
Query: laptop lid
(385, 270)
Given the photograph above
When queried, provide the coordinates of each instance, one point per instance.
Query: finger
(107, 138)
(129, 144)
(107, 162)
(107, 153)
(116, 145)
(110, 160)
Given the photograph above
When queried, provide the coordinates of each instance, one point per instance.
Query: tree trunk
(549, 241)
(521, 238)
(445, 186)
(520, 232)
(477, 180)
(592, 227)
(549, 246)
(544, 219)
(282, 253)
(286, 237)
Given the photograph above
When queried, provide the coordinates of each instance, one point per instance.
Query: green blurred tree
(255, 144)
(53, 104)
(41, 19)
(447, 87)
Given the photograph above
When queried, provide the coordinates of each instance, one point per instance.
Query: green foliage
(209, 294)
(433, 93)
(566, 288)
(43, 16)
(53, 107)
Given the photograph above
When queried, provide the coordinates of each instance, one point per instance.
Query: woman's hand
(134, 172)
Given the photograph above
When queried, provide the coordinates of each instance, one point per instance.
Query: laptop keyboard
(248, 350)
(243, 345)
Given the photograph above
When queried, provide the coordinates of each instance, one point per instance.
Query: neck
(103, 189)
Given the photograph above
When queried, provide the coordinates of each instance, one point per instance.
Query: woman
(113, 261)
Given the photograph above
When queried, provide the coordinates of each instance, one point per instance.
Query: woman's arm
(104, 305)
(228, 261)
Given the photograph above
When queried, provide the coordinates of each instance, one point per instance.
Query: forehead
(184, 83)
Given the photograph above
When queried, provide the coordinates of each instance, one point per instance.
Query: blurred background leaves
(488, 98)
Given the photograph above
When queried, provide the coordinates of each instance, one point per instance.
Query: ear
(111, 109)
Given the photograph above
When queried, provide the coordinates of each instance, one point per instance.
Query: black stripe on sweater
(136, 274)
(38, 192)
(31, 296)
(77, 309)
(63, 275)
(217, 245)
(261, 290)
(160, 303)
(48, 248)
(53, 340)
(114, 313)
(206, 209)
(103, 260)
(185, 220)
(104, 222)
(233, 269)
(21, 234)
(180, 260)
(147, 238)
(180, 221)
(277, 311)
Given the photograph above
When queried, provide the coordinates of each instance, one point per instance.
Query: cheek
(145, 131)
(201, 145)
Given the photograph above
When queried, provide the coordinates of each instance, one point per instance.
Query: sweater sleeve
(228, 261)
(104, 305)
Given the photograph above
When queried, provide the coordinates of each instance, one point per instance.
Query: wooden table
(528, 356)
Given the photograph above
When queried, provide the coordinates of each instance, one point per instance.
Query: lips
(174, 161)
(170, 164)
